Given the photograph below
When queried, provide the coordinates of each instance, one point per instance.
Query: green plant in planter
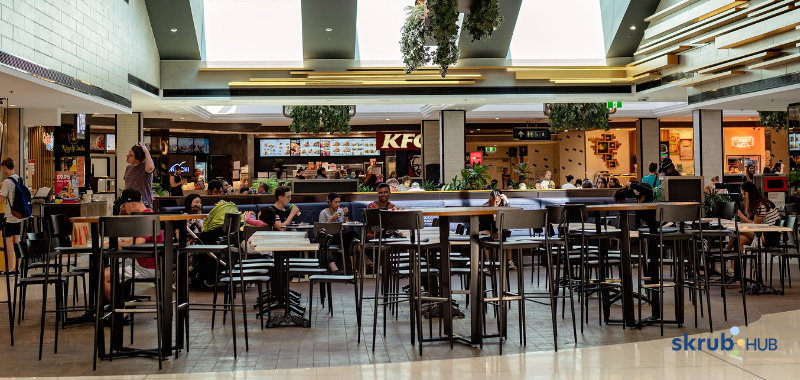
(412, 43)
(312, 119)
(475, 178)
(774, 119)
(455, 185)
(158, 190)
(483, 18)
(523, 174)
(430, 186)
(794, 179)
(576, 116)
(272, 183)
(711, 199)
(443, 15)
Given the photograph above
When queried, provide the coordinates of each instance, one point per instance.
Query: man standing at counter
(139, 173)
(284, 211)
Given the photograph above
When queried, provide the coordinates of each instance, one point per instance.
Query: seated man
(382, 203)
(284, 210)
(215, 188)
(129, 202)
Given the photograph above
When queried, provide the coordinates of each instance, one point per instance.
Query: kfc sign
(743, 142)
(399, 141)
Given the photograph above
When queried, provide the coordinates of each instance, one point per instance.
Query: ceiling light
(173, 30)
(617, 128)
(483, 99)
(328, 29)
(497, 118)
(388, 119)
(479, 129)
(633, 27)
(182, 118)
(12, 105)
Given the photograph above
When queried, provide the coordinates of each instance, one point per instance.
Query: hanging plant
(774, 119)
(444, 30)
(312, 119)
(483, 18)
(412, 43)
(577, 116)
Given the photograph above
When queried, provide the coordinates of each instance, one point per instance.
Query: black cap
(128, 195)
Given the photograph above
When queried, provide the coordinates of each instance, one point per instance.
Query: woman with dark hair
(767, 170)
(759, 210)
(778, 168)
(335, 214)
(139, 172)
(749, 172)
(600, 183)
(496, 199)
(193, 204)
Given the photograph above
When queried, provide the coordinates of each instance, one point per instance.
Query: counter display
(318, 147)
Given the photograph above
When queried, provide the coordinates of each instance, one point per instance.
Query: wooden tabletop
(752, 227)
(162, 217)
(633, 206)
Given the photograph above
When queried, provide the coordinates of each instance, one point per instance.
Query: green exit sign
(614, 104)
(491, 149)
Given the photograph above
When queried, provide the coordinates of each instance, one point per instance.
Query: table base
(287, 320)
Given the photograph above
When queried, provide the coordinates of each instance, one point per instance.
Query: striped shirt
(770, 215)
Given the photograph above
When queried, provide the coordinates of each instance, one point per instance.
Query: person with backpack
(18, 207)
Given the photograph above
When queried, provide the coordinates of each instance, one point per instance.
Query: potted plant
(711, 199)
(523, 174)
(774, 119)
(577, 116)
(438, 18)
(312, 119)
(412, 43)
(483, 18)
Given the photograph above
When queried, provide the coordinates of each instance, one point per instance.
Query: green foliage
(444, 30)
(658, 194)
(158, 190)
(794, 178)
(455, 185)
(483, 18)
(362, 188)
(774, 119)
(577, 116)
(711, 199)
(523, 174)
(412, 43)
(430, 186)
(272, 183)
(312, 119)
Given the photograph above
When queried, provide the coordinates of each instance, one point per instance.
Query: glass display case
(737, 164)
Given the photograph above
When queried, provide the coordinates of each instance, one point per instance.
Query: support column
(708, 144)
(649, 131)
(451, 143)
(129, 132)
(430, 147)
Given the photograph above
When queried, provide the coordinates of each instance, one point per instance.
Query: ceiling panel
(166, 15)
(497, 46)
(340, 17)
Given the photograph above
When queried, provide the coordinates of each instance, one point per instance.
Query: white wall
(96, 41)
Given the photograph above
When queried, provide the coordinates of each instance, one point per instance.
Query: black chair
(123, 227)
(329, 279)
(413, 221)
(788, 250)
(334, 229)
(719, 234)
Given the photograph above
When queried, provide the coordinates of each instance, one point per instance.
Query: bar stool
(725, 211)
(329, 279)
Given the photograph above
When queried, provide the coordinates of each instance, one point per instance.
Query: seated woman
(496, 199)
(335, 214)
(193, 204)
(758, 210)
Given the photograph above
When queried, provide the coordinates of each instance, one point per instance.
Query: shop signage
(743, 142)
(528, 134)
(399, 141)
(47, 140)
(614, 104)
(80, 126)
(476, 158)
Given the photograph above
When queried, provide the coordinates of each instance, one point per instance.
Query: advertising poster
(185, 145)
(111, 143)
(64, 185)
(173, 145)
(97, 142)
(687, 149)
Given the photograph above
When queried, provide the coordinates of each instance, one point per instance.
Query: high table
(476, 315)
(625, 256)
(280, 286)
(182, 292)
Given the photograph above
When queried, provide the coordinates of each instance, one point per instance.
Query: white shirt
(568, 186)
(8, 190)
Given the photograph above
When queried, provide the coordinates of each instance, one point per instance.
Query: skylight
(568, 32)
(378, 29)
(253, 30)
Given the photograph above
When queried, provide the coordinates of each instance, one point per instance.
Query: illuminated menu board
(318, 147)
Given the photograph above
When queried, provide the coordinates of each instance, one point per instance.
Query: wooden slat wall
(45, 166)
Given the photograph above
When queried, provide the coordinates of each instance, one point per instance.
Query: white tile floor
(644, 360)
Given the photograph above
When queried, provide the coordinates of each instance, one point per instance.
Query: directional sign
(491, 149)
(614, 104)
(528, 134)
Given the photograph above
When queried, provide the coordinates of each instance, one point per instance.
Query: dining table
(170, 222)
(628, 309)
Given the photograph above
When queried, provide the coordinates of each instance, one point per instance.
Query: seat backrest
(36, 235)
(372, 217)
(520, 219)
(250, 230)
(330, 228)
(59, 225)
(402, 220)
(790, 209)
(576, 213)
(37, 248)
(129, 226)
(724, 210)
(324, 241)
(677, 213)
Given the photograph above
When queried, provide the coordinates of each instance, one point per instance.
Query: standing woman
(176, 183)
(778, 168)
(749, 172)
(335, 214)
(370, 179)
(139, 173)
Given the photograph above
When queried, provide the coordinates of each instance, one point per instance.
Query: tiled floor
(605, 351)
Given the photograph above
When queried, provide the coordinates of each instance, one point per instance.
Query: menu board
(173, 145)
(794, 141)
(185, 145)
(318, 147)
(111, 143)
(97, 142)
(201, 145)
(275, 148)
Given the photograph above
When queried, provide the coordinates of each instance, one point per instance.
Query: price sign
(528, 134)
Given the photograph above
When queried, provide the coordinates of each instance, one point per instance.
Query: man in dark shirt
(284, 211)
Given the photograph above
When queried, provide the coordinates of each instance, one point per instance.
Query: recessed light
(618, 129)
(328, 29)
(388, 119)
(633, 27)
(479, 129)
(497, 118)
(173, 30)
(483, 99)
(182, 118)
(12, 105)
